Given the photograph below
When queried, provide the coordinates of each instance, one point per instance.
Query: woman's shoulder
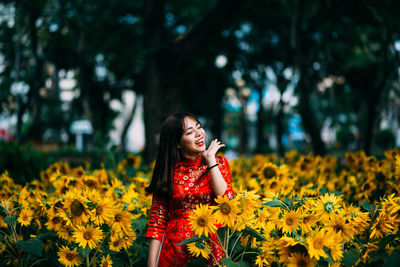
(221, 159)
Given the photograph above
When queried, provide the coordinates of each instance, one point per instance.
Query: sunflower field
(298, 210)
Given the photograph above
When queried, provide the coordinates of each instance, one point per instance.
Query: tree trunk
(260, 121)
(35, 130)
(309, 120)
(165, 66)
(302, 58)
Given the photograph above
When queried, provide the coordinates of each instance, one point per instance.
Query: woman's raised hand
(209, 154)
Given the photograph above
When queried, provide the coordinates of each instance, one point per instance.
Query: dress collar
(186, 162)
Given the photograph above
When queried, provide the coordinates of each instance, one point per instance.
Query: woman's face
(192, 141)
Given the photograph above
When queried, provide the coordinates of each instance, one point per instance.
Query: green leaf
(323, 190)
(393, 260)
(367, 206)
(3, 211)
(275, 204)
(190, 240)
(10, 220)
(33, 245)
(329, 258)
(337, 193)
(230, 263)
(221, 233)
(350, 257)
(197, 262)
(253, 233)
(84, 251)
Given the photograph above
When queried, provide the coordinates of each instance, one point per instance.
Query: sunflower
(104, 212)
(121, 222)
(78, 172)
(69, 257)
(76, 211)
(358, 219)
(58, 204)
(287, 245)
(307, 222)
(106, 261)
(326, 206)
(25, 217)
(336, 250)
(290, 220)
(273, 185)
(199, 248)
(381, 227)
(344, 230)
(262, 259)
(397, 167)
(300, 260)
(54, 223)
(133, 160)
(248, 201)
(316, 243)
(203, 221)
(66, 233)
(91, 182)
(227, 210)
(88, 236)
(117, 244)
(268, 171)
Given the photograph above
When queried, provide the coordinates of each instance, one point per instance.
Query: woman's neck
(191, 156)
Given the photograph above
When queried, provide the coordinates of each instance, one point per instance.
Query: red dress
(169, 219)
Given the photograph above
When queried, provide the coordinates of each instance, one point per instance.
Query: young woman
(186, 174)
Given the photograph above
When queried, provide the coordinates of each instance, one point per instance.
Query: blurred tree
(170, 58)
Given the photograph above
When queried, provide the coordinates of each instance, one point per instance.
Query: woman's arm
(218, 182)
(158, 221)
(154, 248)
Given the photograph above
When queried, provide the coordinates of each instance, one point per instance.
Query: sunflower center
(130, 161)
(116, 243)
(99, 210)
(328, 206)
(225, 208)
(318, 244)
(289, 221)
(379, 226)
(70, 256)
(118, 217)
(77, 208)
(59, 205)
(87, 235)
(273, 185)
(302, 263)
(366, 187)
(303, 166)
(202, 221)
(105, 264)
(90, 183)
(338, 228)
(200, 244)
(269, 172)
(306, 219)
(56, 220)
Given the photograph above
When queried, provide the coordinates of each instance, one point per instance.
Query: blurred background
(91, 80)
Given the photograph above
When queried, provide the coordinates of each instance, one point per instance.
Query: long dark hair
(168, 154)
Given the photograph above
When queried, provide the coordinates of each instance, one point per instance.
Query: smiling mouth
(200, 142)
